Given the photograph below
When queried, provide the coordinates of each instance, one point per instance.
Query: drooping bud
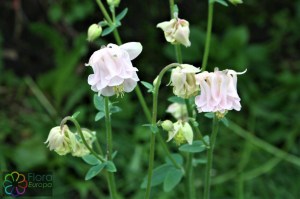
(61, 140)
(184, 81)
(167, 125)
(235, 2)
(80, 149)
(94, 32)
(176, 31)
(114, 3)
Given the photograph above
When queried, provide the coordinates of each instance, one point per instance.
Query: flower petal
(133, 49)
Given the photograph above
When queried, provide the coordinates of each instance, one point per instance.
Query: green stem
(110, 21)
(208, 35)
(171, 2)
(190, 176)
(78, 128)
(178, 53)
(117, 36)
(165, 148)
(153, 122)
(264, 145)
(104, 12)
(110, 175)
(210, 152)
(143, 103)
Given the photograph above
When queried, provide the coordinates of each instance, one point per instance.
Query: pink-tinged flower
(113, 70)
(218, 91)
(176, 31)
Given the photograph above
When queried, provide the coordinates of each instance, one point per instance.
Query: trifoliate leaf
(149, 86)
(172, 179)
(196, 147)
(94, 170)
(91, 160)
(122, 14)
(99, 116)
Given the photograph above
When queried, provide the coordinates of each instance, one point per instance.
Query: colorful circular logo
(15, 184)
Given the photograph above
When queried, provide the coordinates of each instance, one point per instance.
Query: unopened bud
(167, 125)
(114, 3)
(235, 2)
(94, 32)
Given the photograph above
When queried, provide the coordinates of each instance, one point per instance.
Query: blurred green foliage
(45, 64)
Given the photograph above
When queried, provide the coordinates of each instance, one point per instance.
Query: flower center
(221, 115)
(179, 138)
(119, 90)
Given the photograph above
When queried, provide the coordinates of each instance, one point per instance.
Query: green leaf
(122, 14)
(209, 115)
(94, 171)
(172, 179)
(102, 23)
(158, 176)
(110, 166)
(149, 86)
(115, 109)
(91, 160)
(225, 121)
(176, 99)
(108, 30)
(114, 154)
(206, 139)
(177, 157)
(153, 127)
(99, 116)
(196, 147)
(199, 161)
(99, 103)
(222, 2)
(75, 114)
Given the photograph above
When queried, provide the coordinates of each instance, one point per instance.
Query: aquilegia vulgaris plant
(195, 91)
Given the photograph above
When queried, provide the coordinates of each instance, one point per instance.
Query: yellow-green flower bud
(80, 149)
(155, 81)
(94, 32)
(114, 3)
(235, 2)
(167, 125)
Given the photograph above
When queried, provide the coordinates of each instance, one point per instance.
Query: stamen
(119, 90)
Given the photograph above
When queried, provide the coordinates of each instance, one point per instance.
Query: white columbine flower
(181, 132)
(113, 70)
(61, 140)
(218, 91)
(184, 82)
(176, 31)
